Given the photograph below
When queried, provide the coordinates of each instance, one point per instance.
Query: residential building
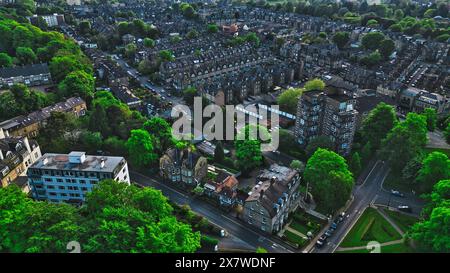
(326, 113)
(51, 20)
(31, 75)
(69, 177)
(16, 155)
(30, 124)
(184, 167)
(224, 188)
(272, 199)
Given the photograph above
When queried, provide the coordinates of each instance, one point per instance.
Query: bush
(208, 241)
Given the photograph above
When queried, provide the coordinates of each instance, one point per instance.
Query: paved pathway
(399, 230)
(365, 247)
(297, 232)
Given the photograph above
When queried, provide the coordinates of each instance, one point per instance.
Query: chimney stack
(261, 194)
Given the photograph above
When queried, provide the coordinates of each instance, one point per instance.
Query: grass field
(293, 238)
(403, 221)
(371, 226)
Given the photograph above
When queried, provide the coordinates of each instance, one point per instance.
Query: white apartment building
(69, 177)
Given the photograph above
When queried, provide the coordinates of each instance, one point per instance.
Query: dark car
(319, 244)
(333, 225)
(329, 232)
(397, 193)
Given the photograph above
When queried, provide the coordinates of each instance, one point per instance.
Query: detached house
(183, 167)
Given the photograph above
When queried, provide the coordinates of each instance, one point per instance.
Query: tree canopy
(330, 180)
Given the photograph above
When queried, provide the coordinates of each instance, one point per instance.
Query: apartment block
(69, 177)
(328, 113)
(273, 197)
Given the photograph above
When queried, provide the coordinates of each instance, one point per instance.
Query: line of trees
(116, 218)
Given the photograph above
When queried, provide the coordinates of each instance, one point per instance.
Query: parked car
(329, 232)
(333, 225)
(397, 193)
(404, 208)
(341, 217)
(319, 243)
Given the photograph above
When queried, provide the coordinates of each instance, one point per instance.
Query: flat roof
(92, 163)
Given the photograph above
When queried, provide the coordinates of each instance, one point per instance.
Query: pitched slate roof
(26, 70)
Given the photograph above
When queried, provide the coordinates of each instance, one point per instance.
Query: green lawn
(371, 226)
(299, 227)
(403, 221)
(293, 238)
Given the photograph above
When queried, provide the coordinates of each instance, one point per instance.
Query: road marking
(373, 168)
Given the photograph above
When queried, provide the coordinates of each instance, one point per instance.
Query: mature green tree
(77, 83)
(98, 121)
(123, 218)
(189, 93)
(148, 42)
(84, 27)
(25, 55)
(372, 40)
(130, 50)
(355, 164)
(297, 165)
(161, 131)
(248, 154)
(140, 148)
(435, 167)
(193, 33)
(412, 167)
(219, 154)
(432, 232)
(378, 123)
(22, 37)
(5, 60)
(212, 28)
(28, 226)
(289, 145)
(166, 55)
(404, 141)
(431, 116)
(116, 146)
(314, 84)
(387, 46)
(61, 66)
(330, 180)
(323, 142)
(341, 39)
(288, 100)
(373, 59)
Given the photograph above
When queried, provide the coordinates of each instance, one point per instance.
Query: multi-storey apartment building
(272, 198)
(16, 155)
(30, 124)
(330, 114)
(51, 20)
(69, 177)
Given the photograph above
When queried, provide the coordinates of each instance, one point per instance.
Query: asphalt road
(143, 80)
(232, 225)
(371, 191)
